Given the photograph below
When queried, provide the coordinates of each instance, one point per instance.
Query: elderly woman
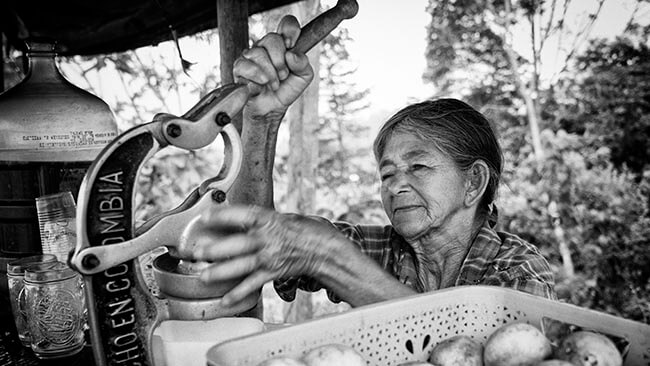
(439, 163)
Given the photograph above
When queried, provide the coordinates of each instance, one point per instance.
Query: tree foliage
(347, 173)
(611, 100)
(459, 38)
(604, 211)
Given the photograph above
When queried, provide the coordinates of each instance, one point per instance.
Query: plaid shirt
(495, 259)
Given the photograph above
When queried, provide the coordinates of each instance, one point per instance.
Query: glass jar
(55, 311)
(15, 275)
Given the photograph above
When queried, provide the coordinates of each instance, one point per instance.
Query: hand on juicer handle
(265, 63)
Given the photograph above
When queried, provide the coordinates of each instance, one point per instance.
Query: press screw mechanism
(90, 261)
(219, 196)
(174, 130)
(222, 119)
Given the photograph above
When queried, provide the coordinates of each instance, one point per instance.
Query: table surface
(17, 355)
(13, 353)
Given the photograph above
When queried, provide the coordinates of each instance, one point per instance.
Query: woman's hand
(275, 75)
(261, 245)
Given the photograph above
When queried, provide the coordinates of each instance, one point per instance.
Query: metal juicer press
(123, 311)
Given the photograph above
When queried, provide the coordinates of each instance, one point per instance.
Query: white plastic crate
(407, 329)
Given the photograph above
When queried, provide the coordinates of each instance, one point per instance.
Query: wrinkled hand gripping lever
(122, 313)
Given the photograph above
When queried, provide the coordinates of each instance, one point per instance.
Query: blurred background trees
(575, 136)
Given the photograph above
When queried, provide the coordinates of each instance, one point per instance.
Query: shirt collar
(404, 261)
(482, 252)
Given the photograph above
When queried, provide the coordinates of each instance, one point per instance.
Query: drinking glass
(15, 275)
(57, 223)
(55, 311)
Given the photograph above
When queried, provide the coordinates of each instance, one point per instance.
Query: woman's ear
(477, 180)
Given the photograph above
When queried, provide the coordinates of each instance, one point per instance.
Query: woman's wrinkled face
(421, 188)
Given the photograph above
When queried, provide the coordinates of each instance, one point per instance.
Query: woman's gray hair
(455, 128)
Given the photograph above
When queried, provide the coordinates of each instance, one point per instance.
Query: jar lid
(57, 271)
(18, 266)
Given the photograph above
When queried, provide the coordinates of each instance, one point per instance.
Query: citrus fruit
(585, 348)
(554, 363)
(282, 361)
(516, 344)
(459, 350)
(333, 354)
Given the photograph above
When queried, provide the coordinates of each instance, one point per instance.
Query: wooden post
(232, 19)
(303, 159)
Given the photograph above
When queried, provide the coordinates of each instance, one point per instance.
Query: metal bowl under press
(175, 283)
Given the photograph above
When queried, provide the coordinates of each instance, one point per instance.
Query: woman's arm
(276, 77)
(261, 245)
(356, 278)
(254, 184)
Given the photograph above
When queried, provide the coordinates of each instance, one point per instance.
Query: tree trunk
(303, 156)
(232, 19)
(526, 93)
(532, 113)
(563, 246)
(558, 229)
(530, 95)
